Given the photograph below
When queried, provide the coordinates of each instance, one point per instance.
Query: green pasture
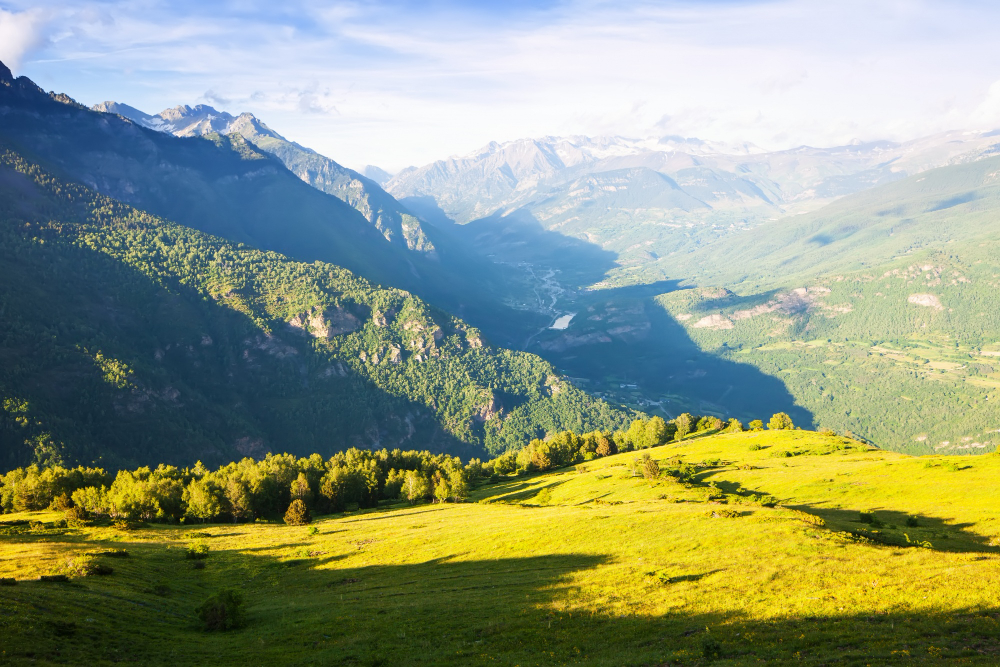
(865, 557)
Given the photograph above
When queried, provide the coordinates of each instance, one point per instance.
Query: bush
(111, 553)
(756, 447)
(62, 502)
(126, 525)
(313, 530)
(197, 551)
(223, 611)
(912, 522)
(650, 469)
(98, 569)
(298, 514)
(54, 578)
(8, 581)
(711, 648)
(756, 425)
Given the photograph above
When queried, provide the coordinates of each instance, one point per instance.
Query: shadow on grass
(895, 528)
(891, 528)
(447, 611)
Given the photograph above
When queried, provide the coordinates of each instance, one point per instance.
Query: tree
(332, 490)
(459, 486)
(636, 434)
(415, 487)
(442, 490)
(683, 422)
(203, 499)
(297, 514)
(605, 447)
(756, 425)
(780, 422)
(300, 489)
(656, 431)
(734, 426)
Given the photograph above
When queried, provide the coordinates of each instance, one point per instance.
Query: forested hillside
(129, 339)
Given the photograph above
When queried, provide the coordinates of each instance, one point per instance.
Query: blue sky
(407, 82)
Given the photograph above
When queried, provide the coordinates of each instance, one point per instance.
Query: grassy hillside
(128, 339)
(868, 557)
(903, 353)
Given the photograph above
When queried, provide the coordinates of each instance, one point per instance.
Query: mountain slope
(127, 339)
(225, 186)
(387, 215)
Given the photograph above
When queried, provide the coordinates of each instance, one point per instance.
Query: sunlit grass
(584, 565)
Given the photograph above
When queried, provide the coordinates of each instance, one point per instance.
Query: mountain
(377, 174)
(128, 339)
(728, 188)
(364, 194)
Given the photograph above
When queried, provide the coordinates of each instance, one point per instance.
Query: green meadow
(769, 546)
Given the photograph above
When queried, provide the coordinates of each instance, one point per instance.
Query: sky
(409, 82)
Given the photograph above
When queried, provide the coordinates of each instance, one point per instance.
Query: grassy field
(868, 557)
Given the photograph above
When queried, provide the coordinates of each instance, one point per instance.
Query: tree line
(252, 489)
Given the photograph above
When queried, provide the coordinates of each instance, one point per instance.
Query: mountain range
(646, 199)
(173, 299)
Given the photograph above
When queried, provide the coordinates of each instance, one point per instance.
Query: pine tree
(298, 514)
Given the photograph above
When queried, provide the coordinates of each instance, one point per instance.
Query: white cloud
(20, 34)
(407, 84)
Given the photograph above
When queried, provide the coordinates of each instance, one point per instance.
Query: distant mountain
(365, 194)
(600, 189)
(380, 176)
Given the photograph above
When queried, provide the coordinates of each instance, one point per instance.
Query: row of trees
(249, 489)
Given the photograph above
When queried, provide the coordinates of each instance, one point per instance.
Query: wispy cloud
(408, 81)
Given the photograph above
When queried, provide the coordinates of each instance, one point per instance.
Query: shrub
(62, 502)
(8, 581)
(223, 611)
(126, 525)
(650, 469)
(912, 522)
(112, 553)
(313, 530)
(198, 565)
(297, 514)
(99, 569)
(756, 447)
(756, 425)
(197, 551)
(54, 578)
(711, 648)
(869, 518)
(724, 513)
